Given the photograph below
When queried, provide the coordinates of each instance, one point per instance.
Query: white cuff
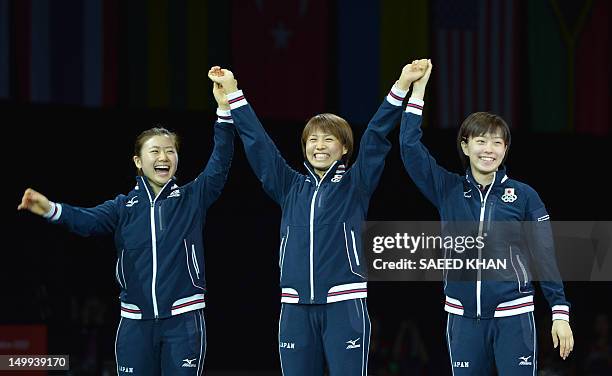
(396, 96)
(236, 99)
(224, 116)
(560, 312)
(54, 212)
(415, 106)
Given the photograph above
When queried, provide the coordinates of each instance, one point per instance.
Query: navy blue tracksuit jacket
(511, 217)
(320, 255)
(160, 251)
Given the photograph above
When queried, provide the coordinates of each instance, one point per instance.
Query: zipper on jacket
(312, 212)
(154, 244)
(154, 251)
(483, 207)
(312, 207)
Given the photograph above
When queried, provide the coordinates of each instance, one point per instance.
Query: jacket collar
(143, 184)
(337, 168)
(500, 176)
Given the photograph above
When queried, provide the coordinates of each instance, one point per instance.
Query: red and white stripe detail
(514, 307)
(54, 212)
(236, 99)
(415, 106)
(224, 116)
(347, 291)
(130, 311)
(289, 295)
(453, 306)
(188, 304)
(396, 96)
(560, 312)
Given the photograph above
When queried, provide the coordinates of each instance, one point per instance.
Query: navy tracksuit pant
(311, 335)
(171, 346)
(478, 347)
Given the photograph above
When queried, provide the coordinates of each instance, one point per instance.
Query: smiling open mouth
(162, 169)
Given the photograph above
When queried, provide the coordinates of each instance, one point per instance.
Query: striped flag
(570, 66)
(373, 44)
(107, 53)
(475, 59)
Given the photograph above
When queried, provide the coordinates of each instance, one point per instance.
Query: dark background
(79, 153)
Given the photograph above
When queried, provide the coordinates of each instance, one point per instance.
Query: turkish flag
(279, 54)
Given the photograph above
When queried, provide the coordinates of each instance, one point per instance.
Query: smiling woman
(483, 141)
(160, 263)
(326, 138)
(505, 304)
(321, 260)
(156, 156)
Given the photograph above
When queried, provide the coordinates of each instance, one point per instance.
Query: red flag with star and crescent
(280, 58)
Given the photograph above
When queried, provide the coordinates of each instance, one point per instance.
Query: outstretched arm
(212, 180)
(35, 202)
(265, 159)
(428, 176)
(374, 145)
(99, 220)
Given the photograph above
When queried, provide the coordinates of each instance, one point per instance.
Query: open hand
(563, 337)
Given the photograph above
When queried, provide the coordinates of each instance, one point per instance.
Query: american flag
(475, 59)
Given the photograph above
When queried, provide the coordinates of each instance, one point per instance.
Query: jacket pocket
(194, 260)
(281, 251)
(119, 271)
(193, 267)
(522, 277)
(525, 275)
(351, 250)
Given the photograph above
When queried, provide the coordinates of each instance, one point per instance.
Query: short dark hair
(332, 124)
(479, 124)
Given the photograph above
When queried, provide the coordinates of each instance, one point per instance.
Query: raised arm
(99, 220)
(374, 145)
(428, 176)
(212, 180)
(265, 159)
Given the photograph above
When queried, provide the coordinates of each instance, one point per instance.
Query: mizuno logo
(133, 201)
(525, 361)
(352, 344)
(189, 363)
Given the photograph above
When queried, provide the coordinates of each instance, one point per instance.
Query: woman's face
(485, 152)
(322, 150)
(158, 160)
